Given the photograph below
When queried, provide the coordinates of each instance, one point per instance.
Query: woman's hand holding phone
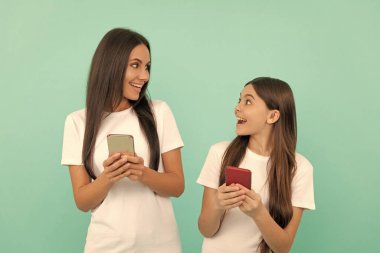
(135, 168)
(229, 196)
(115, 168)
(132, 166)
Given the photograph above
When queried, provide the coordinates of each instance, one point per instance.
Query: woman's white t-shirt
(238, 233)
(132, 218)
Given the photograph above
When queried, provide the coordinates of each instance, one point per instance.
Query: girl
(266, 218)
(127, 195)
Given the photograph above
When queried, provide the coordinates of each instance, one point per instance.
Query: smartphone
(238, 175)
(120, 143)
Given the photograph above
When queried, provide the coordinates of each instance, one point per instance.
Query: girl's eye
(248, 102)
(135, 65)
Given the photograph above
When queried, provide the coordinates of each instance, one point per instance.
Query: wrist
(260, 213)
(146, 172)
(104, 181)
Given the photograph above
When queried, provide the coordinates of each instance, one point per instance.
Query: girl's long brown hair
(277, 95)
(105, 92)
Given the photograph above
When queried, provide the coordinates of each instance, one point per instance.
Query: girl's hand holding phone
(115, 168)
(229, 196)
(252, 204)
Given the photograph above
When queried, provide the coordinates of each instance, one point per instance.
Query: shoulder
(77, 118)
(220, 147)
(161, 110)
(77, 115)
(303, 165)
(159, 105)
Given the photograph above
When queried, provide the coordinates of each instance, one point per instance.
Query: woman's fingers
(120, 170)
(116, 164)
(122, 175)
(136, 171)
(135, 159)
(110, 160)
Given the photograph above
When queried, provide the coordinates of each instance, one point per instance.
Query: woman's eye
(248, 102)
(134, 65)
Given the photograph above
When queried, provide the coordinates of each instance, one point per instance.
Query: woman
(264, 219)
(127, 195)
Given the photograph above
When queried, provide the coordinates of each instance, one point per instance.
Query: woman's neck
(122, 106)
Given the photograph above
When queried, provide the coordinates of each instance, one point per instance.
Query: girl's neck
(260, 145)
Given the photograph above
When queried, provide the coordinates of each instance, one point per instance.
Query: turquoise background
(203, 52)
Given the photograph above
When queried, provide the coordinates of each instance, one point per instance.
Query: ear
(273, 116)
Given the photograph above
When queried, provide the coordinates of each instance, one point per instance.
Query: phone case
(120, 143)
(238, 175)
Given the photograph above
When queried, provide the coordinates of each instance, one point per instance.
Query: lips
(136, 85)
(241, 120)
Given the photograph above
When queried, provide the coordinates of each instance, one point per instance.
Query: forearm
(276, 237)
(91, 195)
(209, 221)
(164, 184)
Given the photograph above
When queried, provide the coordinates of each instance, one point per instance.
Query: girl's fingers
(232, 201)
(230, 188)
(234, 205)
(230, 195)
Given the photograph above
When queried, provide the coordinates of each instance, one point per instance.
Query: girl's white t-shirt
(132, 218)
(238, 233)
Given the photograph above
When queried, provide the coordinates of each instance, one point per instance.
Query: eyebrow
(248, 95)
(137, 59)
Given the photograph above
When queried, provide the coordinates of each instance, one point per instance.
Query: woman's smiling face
(136, 75)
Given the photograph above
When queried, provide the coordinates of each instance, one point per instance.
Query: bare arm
(214, 205)
(90, 194)
(278, 239)
(167, 184)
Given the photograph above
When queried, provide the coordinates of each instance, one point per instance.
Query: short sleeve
(170, 136)
(72, 143)
(303, 185)
(210, 173)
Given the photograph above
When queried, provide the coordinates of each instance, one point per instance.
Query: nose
(144, 75)
(237, 108)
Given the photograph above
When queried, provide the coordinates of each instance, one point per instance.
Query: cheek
(256, 121)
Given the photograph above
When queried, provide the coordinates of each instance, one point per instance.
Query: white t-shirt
(132, 218)
(238, 233)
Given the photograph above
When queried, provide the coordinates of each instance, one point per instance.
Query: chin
(239, 133)
(133, 98)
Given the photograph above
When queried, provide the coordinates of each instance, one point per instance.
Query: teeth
(136, 85)
(241, 119)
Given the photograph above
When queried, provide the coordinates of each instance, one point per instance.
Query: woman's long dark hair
(277, 95)
(105, 92)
